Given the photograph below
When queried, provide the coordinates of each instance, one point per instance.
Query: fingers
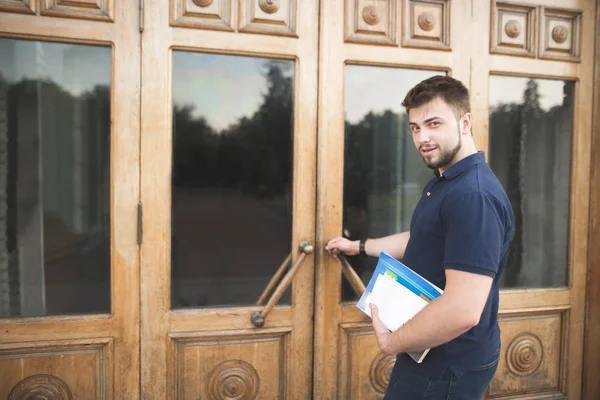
(378, 325)
(333, 244)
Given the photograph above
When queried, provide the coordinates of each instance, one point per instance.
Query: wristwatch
(361, 247)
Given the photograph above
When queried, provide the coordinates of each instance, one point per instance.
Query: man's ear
(465, 123)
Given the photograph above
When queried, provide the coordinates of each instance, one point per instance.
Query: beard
(446, 156)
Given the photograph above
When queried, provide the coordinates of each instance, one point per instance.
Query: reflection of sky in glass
(222, 88)
(380, 89)
(76, 68)
(510, 89)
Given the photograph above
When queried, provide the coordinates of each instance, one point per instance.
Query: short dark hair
(451, 90)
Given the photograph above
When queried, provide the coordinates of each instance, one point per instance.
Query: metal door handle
(350, 274)
(276, 277)
(258, 317)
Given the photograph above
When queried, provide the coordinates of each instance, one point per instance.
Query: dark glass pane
(384, 174)
(531, 133)
(54, 178)
(232, 177)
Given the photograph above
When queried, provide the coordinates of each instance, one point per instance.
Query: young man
(459, 239)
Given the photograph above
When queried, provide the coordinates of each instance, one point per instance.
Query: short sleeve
(474, 233)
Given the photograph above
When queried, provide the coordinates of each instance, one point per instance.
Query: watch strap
(361, 247)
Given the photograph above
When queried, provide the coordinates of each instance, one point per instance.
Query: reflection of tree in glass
(383, 178)
(72, 133)
(253, 155)
(527, 152)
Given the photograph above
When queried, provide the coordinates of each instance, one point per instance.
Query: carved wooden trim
(426, 24)
(525, 354)
(270, 17)
(202, 14)
(269, 6)
(46, 387)
(534, 353)
(380, 372)
(371, 22)
(99, 10)
(231, 378)
(560, 34)
(101, 347)
(19, 6)
(513, 29)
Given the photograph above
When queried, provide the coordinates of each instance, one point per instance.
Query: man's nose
(423, 136)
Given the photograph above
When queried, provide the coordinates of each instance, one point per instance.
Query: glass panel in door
(232, 177)
(55, 152)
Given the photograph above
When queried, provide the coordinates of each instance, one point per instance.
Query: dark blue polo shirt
(463, 221)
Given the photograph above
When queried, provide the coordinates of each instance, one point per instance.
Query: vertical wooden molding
(591, 384)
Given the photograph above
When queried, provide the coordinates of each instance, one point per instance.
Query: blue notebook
(399, 293)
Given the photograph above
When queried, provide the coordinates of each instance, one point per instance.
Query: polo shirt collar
(462, 165)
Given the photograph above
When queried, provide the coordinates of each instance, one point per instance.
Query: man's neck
(466, 150)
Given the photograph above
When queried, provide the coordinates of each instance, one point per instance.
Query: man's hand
(345, 246)
(382, 333)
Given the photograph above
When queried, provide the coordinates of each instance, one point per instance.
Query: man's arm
(447, 317)
(394, 245)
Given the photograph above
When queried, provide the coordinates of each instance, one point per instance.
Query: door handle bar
(276, 277)
(258, 317)
(350, 274)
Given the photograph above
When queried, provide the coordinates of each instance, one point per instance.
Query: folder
(399, 293)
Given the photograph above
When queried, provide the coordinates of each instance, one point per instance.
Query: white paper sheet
(396, 303)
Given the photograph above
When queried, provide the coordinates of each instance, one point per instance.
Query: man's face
(436, 133)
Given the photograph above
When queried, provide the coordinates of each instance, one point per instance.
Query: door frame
(591, 384)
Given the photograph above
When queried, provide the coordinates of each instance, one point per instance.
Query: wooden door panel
(80, 339)
(206, 261)
(217, 364)
(533, 354)
(364, 370)
(32, 367)
(402, 42)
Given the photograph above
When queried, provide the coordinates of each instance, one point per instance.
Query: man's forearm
(394, 245)
(438, 323)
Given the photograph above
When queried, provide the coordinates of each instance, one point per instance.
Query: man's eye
(434, 123)
(414, 128)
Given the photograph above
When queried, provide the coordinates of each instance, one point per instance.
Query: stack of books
(399, 294)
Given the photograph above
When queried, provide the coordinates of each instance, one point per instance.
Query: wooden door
(528, 66)
(228, 157)
(69, 189)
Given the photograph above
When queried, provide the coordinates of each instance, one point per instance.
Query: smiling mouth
(428, 151)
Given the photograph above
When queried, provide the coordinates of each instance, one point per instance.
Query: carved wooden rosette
(372, 22)
(380, 372)
(525, 355)
(560, 34)
(233, 379)
(19, 6)
(271, 17)
(42, 387)
(202, 14)
(513, 30)
(269, 6)
(426, 24)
